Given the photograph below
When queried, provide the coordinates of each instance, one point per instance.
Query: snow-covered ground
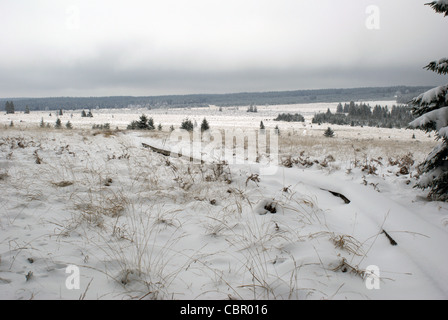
(138, 224)
(229, 117)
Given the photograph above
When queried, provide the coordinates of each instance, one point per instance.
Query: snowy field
(229, 117)
(336, 214)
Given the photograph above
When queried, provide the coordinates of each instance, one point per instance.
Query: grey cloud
(101, 78)
(200, 49)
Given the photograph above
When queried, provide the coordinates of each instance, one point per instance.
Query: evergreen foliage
(187, 124)
(431, 109)
(363, 115)
(9, 107)
(105, 126)
(204, 125)
(252, 108)
(440, 6)
(277, 130)
(144, 123)
(440, 67)
(288, 117)
(329, 133)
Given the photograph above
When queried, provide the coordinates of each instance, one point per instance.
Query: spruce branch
(440, 6)
(440, 67)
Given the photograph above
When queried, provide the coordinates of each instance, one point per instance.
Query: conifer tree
(58, 124)
(204, 125)
(9, 107)
(340, 108)
(143, 123)
(329, 133)
(277, 130)
(151, 125)
(187, 124)
(431, 109)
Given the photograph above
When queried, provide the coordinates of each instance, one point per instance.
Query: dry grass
(94, 207)
(342, 242)
(344, 149)
(144, 264)
(345, 267)
(124, 215)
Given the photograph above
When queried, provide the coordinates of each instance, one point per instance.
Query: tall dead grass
(346, 149)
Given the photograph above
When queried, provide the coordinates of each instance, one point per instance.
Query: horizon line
(216, 94)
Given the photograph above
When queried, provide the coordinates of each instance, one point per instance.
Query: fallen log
(161, 151)
(167, 153)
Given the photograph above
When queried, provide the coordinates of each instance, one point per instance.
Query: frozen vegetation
(142, 225)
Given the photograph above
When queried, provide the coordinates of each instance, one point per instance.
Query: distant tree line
(363, 115)
(220, 100)
(288, 117)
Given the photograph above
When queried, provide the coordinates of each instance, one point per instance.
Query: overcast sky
(148, 47)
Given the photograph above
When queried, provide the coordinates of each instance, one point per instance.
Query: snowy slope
(140, 225)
